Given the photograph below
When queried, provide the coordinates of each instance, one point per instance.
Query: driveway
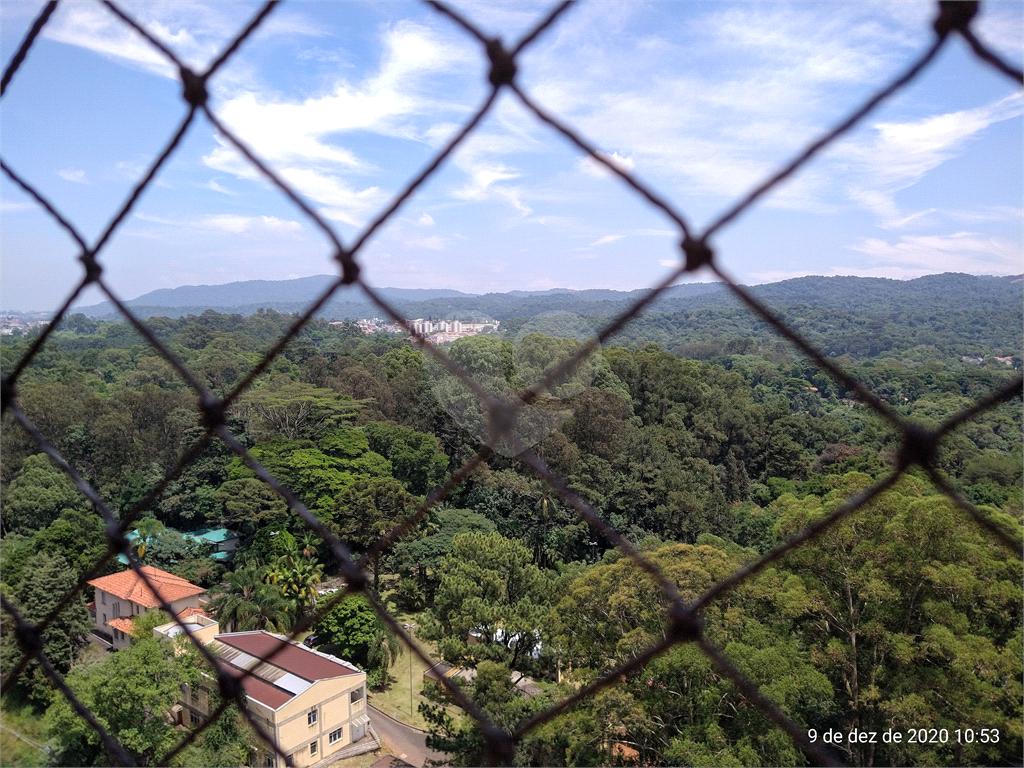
(409, 744)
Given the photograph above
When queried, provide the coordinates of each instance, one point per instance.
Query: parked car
(311, 642)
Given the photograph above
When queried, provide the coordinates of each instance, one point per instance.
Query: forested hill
(903, 616)
(955, 314)
(949, 290)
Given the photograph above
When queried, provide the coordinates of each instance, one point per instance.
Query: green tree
(297, 580)
(37, 495)
(681, 709)
(353, 631)
(76, 536)
(367, 510)
(912, 623)
(46, 580)
(149, 529)
(128, 693)
(247, 603)
(312, 475)
(291, 409)
(249, 504)
(491, 588)
(269, 544)
(427, 553)
(465, 744)
(417, 459)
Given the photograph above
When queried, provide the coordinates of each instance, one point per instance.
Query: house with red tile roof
(312, 704)
(122, 596)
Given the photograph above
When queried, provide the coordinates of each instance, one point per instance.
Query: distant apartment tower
(427, 327)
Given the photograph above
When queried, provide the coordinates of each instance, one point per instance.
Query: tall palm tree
(385, 648)
(297, 580)
(247, 604)
(233, 604)
(308, 544)
(269, 611)
(147, 528)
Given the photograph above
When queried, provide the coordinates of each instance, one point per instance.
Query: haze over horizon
(349, 101)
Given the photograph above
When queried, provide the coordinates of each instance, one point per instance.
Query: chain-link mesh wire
(918, 446)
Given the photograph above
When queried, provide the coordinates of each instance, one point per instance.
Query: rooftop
(128, 585)
(213, 534)
(296, 659)
(124, 624)
(292, 670)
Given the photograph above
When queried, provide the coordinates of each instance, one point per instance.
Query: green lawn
(21, 719)
(395, 701)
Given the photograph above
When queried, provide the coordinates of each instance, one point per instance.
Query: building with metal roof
(313, 704)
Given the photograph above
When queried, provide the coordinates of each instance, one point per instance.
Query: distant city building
(437, 331)
(443, 331)
(11, 325)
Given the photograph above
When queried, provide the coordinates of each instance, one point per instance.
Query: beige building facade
(120, 597)
(311, 704)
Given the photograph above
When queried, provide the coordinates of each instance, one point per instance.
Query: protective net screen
(697, 255)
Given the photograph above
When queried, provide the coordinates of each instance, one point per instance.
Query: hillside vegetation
(696, 434)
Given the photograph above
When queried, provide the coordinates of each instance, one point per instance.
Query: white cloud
(195, 31)
(897, 155)
(250, 224)
(132, 169)
(76, 175)
(482, 176)
(228, 222)
(212, 184)
(426, 220)
(341, 202)
(299, 137)
(605, 240)
(913, 256)
(999, 27)
(992, 213)
(156, 219)
(10, 207)
(904, 152)
(717, 110)
(432, 243)
(93, 27)
(593, 168)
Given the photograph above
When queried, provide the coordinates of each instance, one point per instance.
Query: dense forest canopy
(696, 434)
(863, 317)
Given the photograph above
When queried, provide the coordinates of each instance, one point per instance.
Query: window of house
(268, 761)
(104, 618)
(357, 695)
(312, 747)
(117, 610)
(311, 717)
(103, 598)
(335, 736)
(194, 718)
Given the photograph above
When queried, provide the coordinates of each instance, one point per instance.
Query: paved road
(407, 743)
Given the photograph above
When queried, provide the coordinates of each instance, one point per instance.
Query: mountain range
(849, 294)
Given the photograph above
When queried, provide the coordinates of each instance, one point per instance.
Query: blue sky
(348, 100)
